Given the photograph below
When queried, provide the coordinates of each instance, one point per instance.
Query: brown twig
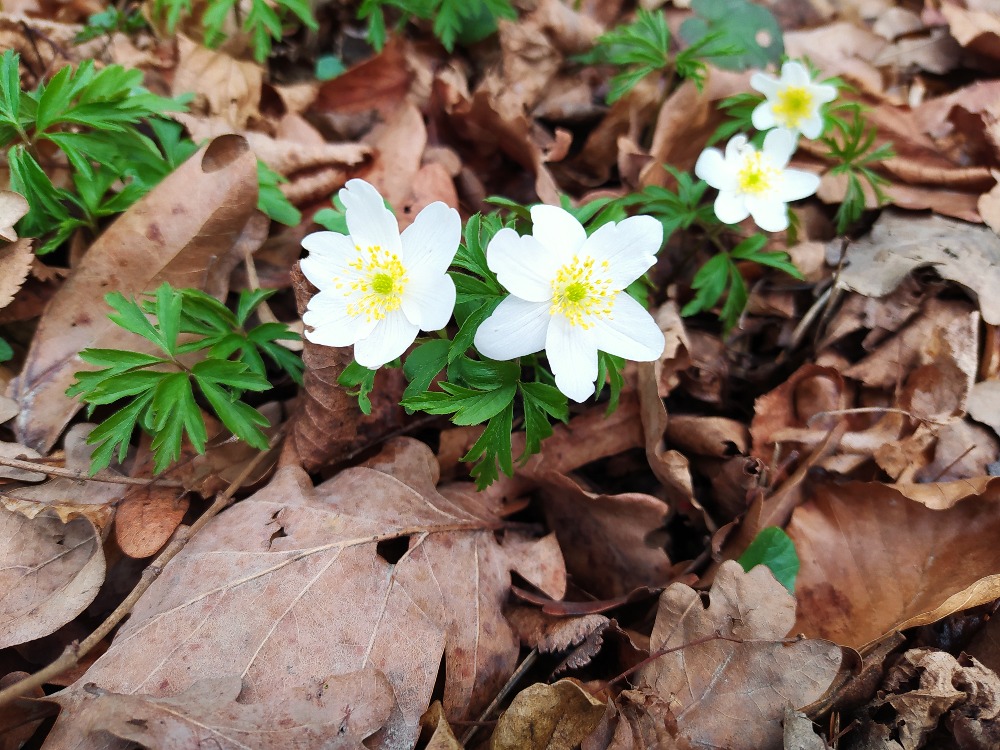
(82, 476)
(71, 656)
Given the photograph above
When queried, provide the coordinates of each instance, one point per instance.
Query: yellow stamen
(794, 105)
(377, 289)
(579, 294)
(756, 175)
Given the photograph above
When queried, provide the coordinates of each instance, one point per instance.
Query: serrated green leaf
(240, 419)
(116, 432)
(467, 331)
(230, 374)
(492, 452)
(360, 377)
(775, 549)
(423, 364)
(174, 412)
(131, 317)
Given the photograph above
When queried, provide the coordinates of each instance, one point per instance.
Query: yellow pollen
(756, 175)
(580, 294)
(794, 105)
(377, 288)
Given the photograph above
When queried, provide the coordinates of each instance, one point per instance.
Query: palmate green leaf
(107, 390)
(116, 432)
(360, 377)
(174, 413)
(736, 300)
(467, 331)
(541, 401)
(493, 452)
(423, 364)
(709, 284)
(224, 372)
(775, 549)
(242, 420)
(130, 316)
(736, 25)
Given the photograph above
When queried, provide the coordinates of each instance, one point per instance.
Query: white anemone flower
(378, 288)
(567, 295)
(755, 183)
(793, 101)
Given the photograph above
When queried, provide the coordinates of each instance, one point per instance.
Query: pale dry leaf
(551, 634)
(146, 518)
(344, 711)
(874, 561)
(901, 243)
(799, 733)
(984, 403)
(12, 207)
(548, 717)
(8, 409)
(191, 230)
(24, 453)
(443, 737)
(374, 568)
(223, 86)
(734, 694)
(399, 145)
(15, 264)
(49, 572)
(976, 30)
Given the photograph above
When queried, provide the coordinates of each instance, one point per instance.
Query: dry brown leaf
(548, 717)
(840, 49)
(984, 403)
(901, 243)
(609, 541)
(146, 518)
(874, 561)
(799, 733)
(399, 144)
(15, 264)
(51, 571)
(12, 207)
(976, 30)
(191, 230)
(380, 83)
(21, 717)
(24, 453)
(733, 695)
(374, 568)
(344, 710)
(581, 636)
(223, 86)
(443, 738)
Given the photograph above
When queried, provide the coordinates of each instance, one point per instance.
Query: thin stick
(71, 656)
(525, 665)
(82, 476)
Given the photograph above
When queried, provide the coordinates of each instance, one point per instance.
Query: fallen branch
(82, 476)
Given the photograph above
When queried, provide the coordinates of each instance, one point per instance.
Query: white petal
(388, 340)
(713, 169)
(332, 326)
(763, 116)
(431, 241)
(730, 207)
(769, 214)
(797, 184)
(629, 332)
(572, 354)
(515, 329)
(812, 127)
(428, 300)
(369, 221)
(765, 84)
(329, 254)
(629, 247)
(523, 265)
(823, 92)
(779, 145)
(557, 230)
(736, 146)
(794, 73)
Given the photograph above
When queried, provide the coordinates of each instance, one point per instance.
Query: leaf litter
(593, 599)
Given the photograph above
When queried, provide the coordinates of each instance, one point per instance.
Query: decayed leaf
(726, 694)
(799, 733)
(548, 717)
(146, 518)
(874, 561)
(187, 231)
(900, 243)
(301, 583)
(339, 715)
(223, 86)
(15, 264)
(977, 30)
(12, 207)
(50, 572)
(443, 737)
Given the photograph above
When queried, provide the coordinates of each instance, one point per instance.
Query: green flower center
(756, 176)
(579, 294)
(382, 283)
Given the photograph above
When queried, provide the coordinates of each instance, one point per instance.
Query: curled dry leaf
(191, 230)
(729, 694)
(548, 717)
(51, 571)
(12, 207)
(15, 264)
(422, 571)
(343, 711)
(223, 86)
(901, 243)
(874, 561)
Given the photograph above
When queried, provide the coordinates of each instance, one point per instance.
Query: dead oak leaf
(223, 86)
(548, 717)
(900, 243)
(373, 569)
(731, 694)
(346, 710)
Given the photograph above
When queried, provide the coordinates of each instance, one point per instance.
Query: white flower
(793, 101)
(566, 295)
(378, 288)
(755, 183)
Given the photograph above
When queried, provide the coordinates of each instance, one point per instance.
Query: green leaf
(240, 419)
(709, 283)
(540, 402)
(174, 413)
(6, 352)
(467, 331)
(775, 549)
(228, 373)
(132, 318)
(735, 25)
(168, 316)
(10, 86)
(360, 377)
(610, 368)
(423, 364)
(116, 431)
(270, 199)
(492, 452)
